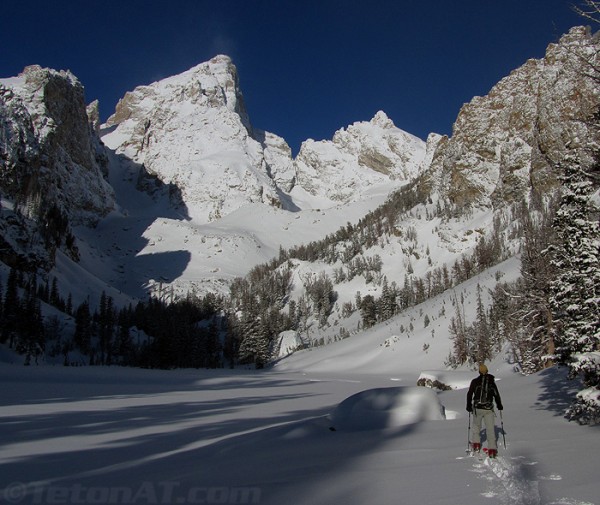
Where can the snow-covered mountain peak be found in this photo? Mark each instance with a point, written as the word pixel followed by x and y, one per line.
pixel 34 75
pixel 211 84
pixel 359 159
pixel 382 120
pixel 192 130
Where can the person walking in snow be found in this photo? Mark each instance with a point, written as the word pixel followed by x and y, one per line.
pixel 482 394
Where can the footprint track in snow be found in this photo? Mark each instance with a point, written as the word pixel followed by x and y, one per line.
pixel 514 482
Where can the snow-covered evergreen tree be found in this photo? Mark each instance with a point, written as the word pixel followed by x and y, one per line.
pixel 458 334
pixel 575 293
pixel 535 346
pixel 254 347
pixel 481 332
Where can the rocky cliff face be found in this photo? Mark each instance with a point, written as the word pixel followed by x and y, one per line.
pixel 504 145
pixel 50 154
pixel 52 167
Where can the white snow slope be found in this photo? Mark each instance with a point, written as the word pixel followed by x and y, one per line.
pixel 145 242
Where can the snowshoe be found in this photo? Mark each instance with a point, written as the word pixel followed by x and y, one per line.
pixel 491 453
pixel 475 450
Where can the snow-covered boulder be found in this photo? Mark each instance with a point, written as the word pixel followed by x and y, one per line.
pixel 445 380
pixel 387 408
pixel 289 341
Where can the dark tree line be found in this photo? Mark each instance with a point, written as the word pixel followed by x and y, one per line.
pixel 185 333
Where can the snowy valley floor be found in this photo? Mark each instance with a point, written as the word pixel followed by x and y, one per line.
pixel 114 435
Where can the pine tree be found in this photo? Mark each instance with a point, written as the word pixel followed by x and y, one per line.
pixel 212 347
pixel 536 343
pixel 1 305
pixel 11 309
pixel 458 335
pixel 254 346
pixel 31 330
pixel 387 301
pixel 322 295
pixel 482 334
pixel 83 328
pixel 232 339
pixel 55 296
pixel 368 311
pixel 575 293
pixel 125 346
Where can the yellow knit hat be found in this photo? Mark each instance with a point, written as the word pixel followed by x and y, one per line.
pixel 483 369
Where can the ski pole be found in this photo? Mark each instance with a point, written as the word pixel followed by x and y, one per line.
pixel 502 426
pixel 469 435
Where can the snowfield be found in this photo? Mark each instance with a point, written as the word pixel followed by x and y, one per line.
pixel 116 435
pixel 338 424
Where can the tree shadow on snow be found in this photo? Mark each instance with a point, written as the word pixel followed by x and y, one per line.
pixel 187 442
pixel 132 444
pixel 557 391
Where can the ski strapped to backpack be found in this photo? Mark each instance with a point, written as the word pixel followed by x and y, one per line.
pixel 483 397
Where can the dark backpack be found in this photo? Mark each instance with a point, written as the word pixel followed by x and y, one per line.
pixel 483 398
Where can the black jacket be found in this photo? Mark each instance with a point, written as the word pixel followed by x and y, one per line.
pixel 482 393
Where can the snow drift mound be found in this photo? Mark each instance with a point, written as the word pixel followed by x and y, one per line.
pixel 385 408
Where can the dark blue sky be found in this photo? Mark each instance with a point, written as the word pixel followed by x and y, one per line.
pixel 307 67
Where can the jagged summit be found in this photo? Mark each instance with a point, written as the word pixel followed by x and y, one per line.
pixel 193 130
pixel 382 120
pixel 359 159
pixel 213 83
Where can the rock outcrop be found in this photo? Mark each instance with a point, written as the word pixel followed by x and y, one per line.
pixel 504 145
pixel 49 153
pixel 52 167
